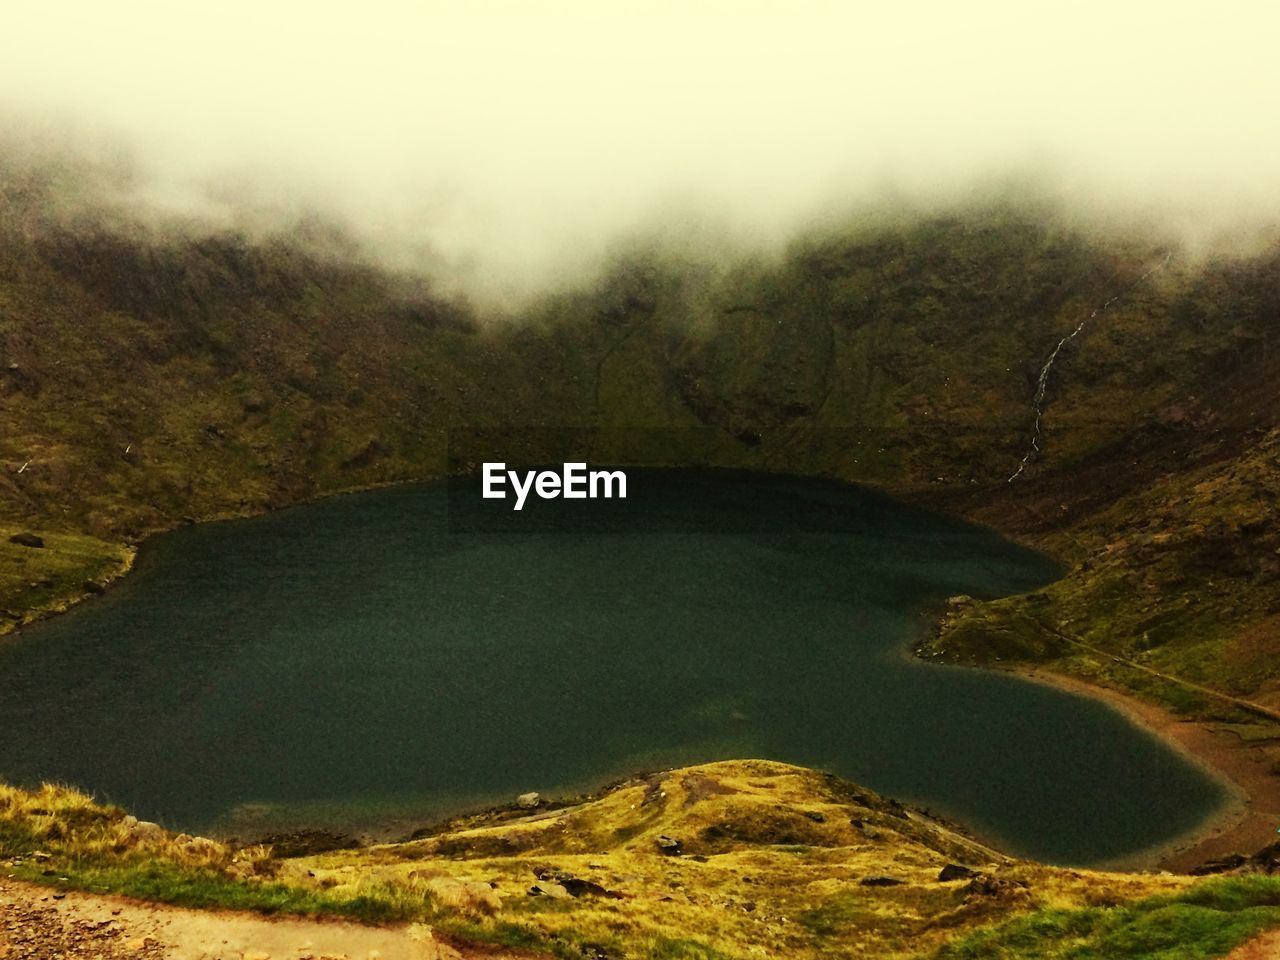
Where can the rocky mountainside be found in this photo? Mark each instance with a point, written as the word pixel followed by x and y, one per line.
pixel 153 373
pixel 158 373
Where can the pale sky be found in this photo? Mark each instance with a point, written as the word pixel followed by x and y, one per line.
pixel 508 133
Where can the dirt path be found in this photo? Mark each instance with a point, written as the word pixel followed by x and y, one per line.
pixel 1247 705
pixel 1265 947
pixel 38 923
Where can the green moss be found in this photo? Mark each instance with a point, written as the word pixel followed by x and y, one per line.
pixel 1207 921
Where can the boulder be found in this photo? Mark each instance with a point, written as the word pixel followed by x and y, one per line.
pixel 529 801
pixel 547 889
pixel 670 846
pixel 138 831
pixel 954 871
pixel 574 886
pixel 472 896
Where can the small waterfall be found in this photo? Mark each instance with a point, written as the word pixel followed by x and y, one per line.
pixel 1042 382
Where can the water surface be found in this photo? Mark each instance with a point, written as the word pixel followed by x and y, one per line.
pixel 409 651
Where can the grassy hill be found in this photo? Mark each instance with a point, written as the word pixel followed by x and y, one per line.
pixel 718 862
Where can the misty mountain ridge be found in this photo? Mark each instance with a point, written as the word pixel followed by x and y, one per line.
pixel 155 373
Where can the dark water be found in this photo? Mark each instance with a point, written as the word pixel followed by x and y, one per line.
pixel 372 657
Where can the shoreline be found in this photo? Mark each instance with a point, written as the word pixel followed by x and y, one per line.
pixel 12 630
pixel 1247 822
pixel 134 545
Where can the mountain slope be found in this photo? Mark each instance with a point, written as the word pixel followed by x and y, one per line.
pixel 726 860
pixel 151 374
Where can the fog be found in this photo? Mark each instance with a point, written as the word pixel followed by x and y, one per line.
pixel 509 142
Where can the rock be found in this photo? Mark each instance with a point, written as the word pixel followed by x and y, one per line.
pixel 861 825
pixel 815 816
pixel 574 886
pixel 466 895
pixel 1232 861
pixel 27 540
pixel 137 831
pixel 529 801
pixel 546 889
pixel 554 874
pixel 881 881
pixel 1266 860
pixel 670 846
pixel 954 871
pixel 578 887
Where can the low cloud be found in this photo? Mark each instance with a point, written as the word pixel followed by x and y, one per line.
pixel 504 144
